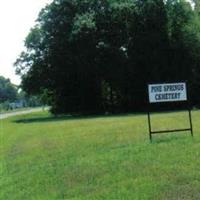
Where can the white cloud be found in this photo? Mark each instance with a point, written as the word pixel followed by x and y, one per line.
pixel 16 19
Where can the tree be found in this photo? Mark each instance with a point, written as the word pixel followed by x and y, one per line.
pixel 96 56
pixel 8 91
pixel 184 31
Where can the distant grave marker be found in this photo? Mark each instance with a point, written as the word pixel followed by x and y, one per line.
pixel 168 93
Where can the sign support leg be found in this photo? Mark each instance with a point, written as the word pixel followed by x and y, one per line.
pixel 149 122
pixel 191 126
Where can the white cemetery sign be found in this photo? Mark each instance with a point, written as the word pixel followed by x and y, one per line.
pixel 167 92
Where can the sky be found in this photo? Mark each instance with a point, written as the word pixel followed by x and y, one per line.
pixel 17 17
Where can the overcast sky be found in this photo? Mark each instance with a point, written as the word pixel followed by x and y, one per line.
pixel 16 19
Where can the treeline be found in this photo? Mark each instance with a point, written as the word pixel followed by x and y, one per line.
pixel 8 91
pixel 12 97
pixel 98 56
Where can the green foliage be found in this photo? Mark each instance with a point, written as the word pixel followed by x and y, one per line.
pixel 79 47
pixel 82 23
pixel 8 91
pixel 48 158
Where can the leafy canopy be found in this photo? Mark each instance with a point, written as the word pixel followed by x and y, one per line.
pixel 97 56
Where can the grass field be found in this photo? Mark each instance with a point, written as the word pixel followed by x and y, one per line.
pixel 47 158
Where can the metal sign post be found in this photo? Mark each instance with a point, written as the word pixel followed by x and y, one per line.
pixel 169 92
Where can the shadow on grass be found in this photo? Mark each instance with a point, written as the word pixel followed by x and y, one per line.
pixel 53 118
pixel 171 137
pixel 72 117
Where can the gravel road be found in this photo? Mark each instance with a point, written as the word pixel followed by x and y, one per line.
pixel 6 115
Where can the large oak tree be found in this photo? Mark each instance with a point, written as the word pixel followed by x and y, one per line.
pixel 96 56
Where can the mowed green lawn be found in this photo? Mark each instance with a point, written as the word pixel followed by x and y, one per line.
pixel 46 158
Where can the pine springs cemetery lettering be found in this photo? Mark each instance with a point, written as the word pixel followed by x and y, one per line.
pixel 168 92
